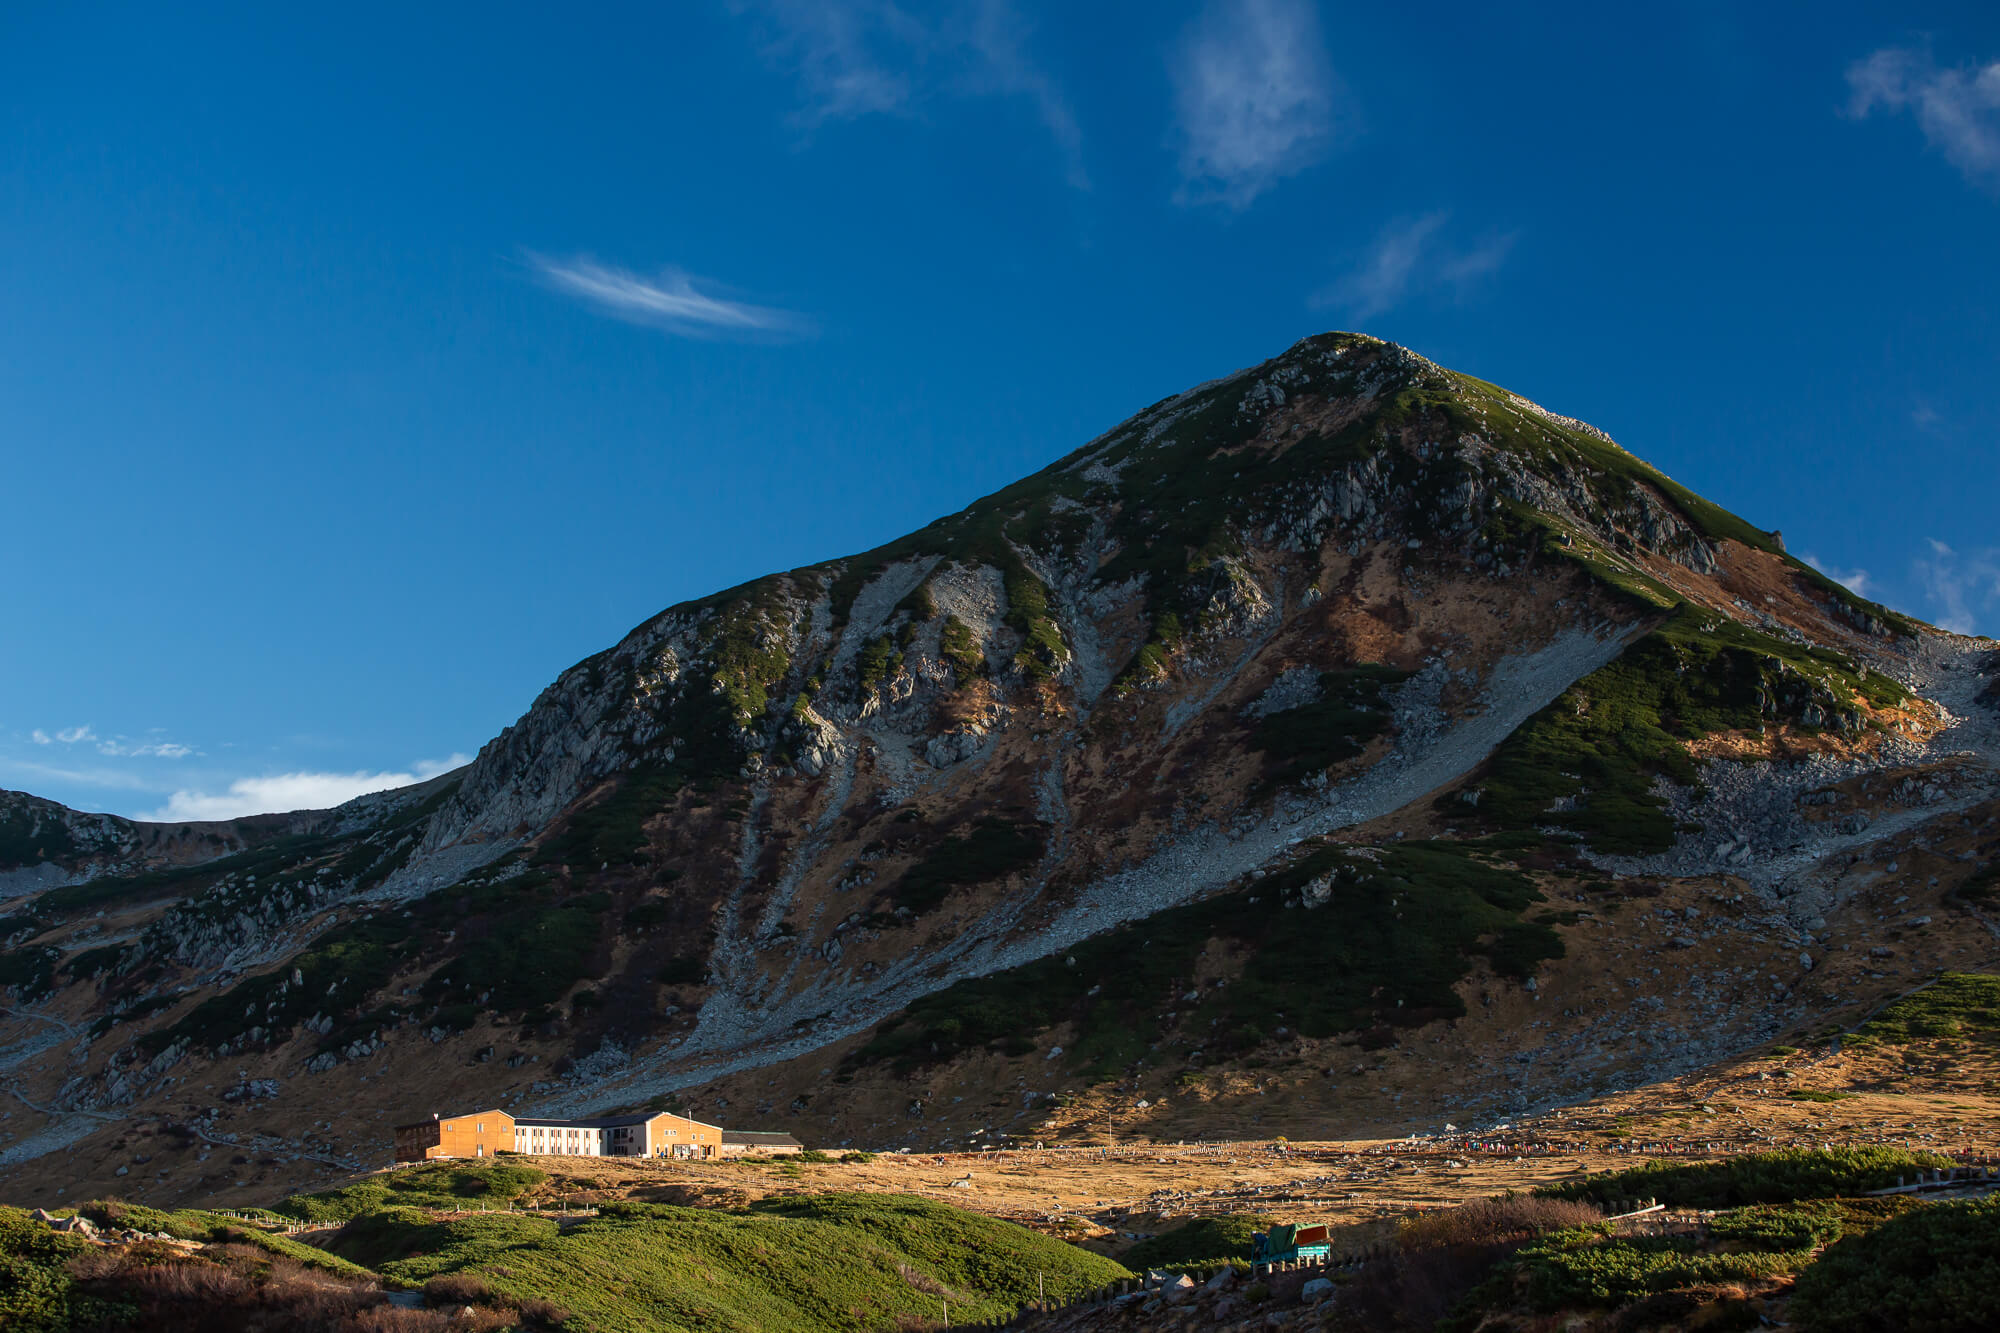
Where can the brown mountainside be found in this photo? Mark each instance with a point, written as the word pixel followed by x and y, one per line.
pixel 1345 743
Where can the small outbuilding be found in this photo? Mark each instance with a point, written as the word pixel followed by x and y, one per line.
pixel 758 1143
pixel 1289 1244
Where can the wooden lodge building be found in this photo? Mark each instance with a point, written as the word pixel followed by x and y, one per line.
pixel 660 1134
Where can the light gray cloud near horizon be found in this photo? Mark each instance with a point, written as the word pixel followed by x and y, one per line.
pixel 856 58
pixel 278 793
pixel 673 301
pixel 1256 99
pixel 1411 256
pixel 119 747
pixel 1958 108
pixel 1856 581
pixel 1962 587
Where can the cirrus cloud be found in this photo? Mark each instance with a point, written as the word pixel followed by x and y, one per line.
pixel 1958 109
pixel 1409 257
pixel 673 301
pixel 1963 586
pixel 856 58
pixel 1255 99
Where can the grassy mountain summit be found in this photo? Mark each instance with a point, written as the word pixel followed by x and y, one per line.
pixel 1342 703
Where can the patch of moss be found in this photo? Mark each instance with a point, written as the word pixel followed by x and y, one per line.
pixel 959 647
pixel 1351 711
pixel 991 850
pixel 750 653
pixel 1956 1005
pixel 612 830
pixel 1043 651
pixel 877 661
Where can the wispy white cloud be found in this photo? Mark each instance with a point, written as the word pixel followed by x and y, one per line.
pixel 672 301
pixel 282 792
pixel 1958 108
pixel 122 748
pixel 1255 99
pixel 116 746
pixel 855 58
pixel 1856 581
pixel 1410 256
pixel 850 58
pixel 1963 587
pixel 999 37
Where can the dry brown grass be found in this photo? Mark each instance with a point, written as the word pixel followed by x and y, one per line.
pixel 457 1289
pixel 1492 1221
pixel 1441 1256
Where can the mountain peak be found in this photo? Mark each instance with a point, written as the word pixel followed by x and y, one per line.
pixel 1344 628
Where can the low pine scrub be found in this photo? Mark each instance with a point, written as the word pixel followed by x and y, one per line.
pixel 1385 947
pixel 220 1228
pixel 445 1186
pixel 37 1293
pixel 1773 1177
pixel 818 1263
pixel 1932 1270
pixel 1592 1267
pixel 1199 1241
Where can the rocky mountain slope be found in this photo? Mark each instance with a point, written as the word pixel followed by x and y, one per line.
pixel 1334 713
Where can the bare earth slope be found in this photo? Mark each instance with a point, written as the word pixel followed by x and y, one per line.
pixel 1340 746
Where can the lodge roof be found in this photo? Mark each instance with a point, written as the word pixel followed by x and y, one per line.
pixel 543 1122
pixel 759 1137
pixel 603 1121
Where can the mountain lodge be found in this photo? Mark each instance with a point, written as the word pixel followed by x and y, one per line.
pixel 659 1134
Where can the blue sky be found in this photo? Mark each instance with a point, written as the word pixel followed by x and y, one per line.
pixel 363 367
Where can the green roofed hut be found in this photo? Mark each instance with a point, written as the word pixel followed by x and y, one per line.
pixel 1287 1244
